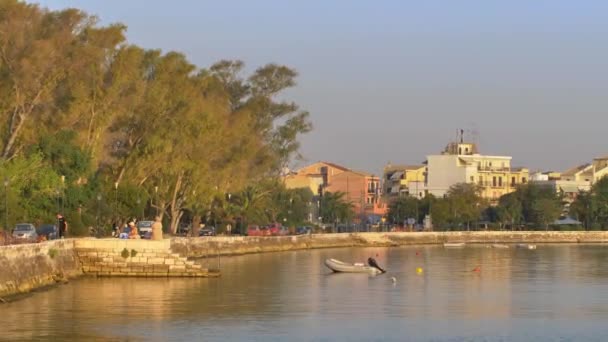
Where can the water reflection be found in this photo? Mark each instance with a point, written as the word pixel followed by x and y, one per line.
pixel 554 292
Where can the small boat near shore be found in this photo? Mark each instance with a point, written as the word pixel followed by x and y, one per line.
pixel 526 246
pixel 454 244
pixel 500 245
pixel 344 267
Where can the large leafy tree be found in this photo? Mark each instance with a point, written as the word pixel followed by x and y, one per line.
pixel 335 209
pixel 147 127
pixel 466 203
pixel 403 208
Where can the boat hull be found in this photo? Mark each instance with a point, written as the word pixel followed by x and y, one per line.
pixel 454 244
pixel 343 267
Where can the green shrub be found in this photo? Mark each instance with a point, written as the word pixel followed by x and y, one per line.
pixel 53 253
pixel 125 253
pixel 133 253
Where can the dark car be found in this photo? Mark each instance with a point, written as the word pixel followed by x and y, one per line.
pixel 49 231
pixel 207 231
pixel 304 230
pixel 144 228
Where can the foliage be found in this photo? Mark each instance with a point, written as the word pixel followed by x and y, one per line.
pixel 53 252
pixel 403 208
pixel 465 203
pixel 146 132
pixel 125 253
pixel 335 209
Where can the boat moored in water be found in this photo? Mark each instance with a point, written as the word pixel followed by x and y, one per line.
pixel 454 244
pixel 526 246
pixel 344 267
pixel 500 245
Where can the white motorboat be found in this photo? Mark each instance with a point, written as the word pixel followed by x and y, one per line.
pixel 454 244
pixel 340 266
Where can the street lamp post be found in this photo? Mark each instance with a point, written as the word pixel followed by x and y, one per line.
pixel 142 209
pixel 98 211
pixel 156 198
pixel 116 199
pixel 62 194
pixel 6 203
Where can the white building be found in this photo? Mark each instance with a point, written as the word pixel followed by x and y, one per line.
pixel 460 163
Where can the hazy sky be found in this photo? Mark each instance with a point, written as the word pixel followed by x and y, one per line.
pixel 394 80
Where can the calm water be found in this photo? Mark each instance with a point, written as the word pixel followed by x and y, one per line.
pixel 558 292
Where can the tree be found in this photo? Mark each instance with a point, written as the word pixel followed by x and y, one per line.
pixel 465 202
pixel 335 209
pixel 403 208
pixel 36 51
pixel 545 210
pixel 509 209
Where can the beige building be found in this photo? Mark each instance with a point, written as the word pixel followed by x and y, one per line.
pixel 461 163
pixel 397 178
pixel 314 176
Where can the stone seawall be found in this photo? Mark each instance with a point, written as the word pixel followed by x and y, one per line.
pixel 30 266
pixel 213 246
pixel 135 258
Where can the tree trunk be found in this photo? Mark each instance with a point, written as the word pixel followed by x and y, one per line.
pixel 196 220
pixel 13 134
pixel 176 213
pixel 176 216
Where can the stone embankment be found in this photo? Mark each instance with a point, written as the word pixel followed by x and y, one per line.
pixel 135 258
pixel 27 267
pixel 30 266
pixel 237 245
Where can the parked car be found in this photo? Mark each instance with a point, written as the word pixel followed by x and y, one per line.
pixel 144 228
pixel 207 231
pixel 304 230
pixel 183 229
pixel 48 230
pixel 277 229
pixel 25 231
pixel 254 230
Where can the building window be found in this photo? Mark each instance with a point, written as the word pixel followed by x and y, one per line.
pixel 499 181
pixel 513 181
pixel 466 150
pixel 460 150
pixel 480 180
pixel 472 179
pixel 523 180
pixel 494 181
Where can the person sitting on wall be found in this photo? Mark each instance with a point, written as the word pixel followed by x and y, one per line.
pixel 133 233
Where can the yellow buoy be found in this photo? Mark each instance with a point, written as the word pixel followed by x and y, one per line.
pixel 419 270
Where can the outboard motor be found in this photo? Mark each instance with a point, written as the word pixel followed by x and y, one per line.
pixel 372 262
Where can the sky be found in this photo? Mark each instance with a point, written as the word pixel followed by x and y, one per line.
pixel 393 81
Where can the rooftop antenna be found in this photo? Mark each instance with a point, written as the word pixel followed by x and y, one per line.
pixel 461 136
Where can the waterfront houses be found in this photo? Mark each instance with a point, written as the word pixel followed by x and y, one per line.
pixel 397 179
pixel 460 162
pixel 361 189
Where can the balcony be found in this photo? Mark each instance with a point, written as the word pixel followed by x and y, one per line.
pixel 493 169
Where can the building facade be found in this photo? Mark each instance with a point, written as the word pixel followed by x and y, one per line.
pixel 461 163
pixel 362 190
pixel 397 178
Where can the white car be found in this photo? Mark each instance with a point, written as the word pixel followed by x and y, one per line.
pixel 25 231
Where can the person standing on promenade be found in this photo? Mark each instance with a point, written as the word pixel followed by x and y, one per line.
pixel 157 229
pixel 62 226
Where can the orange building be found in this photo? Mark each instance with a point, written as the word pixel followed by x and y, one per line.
pixel 362 190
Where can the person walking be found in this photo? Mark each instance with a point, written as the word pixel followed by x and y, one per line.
pixel 62 225
pixel 157 229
